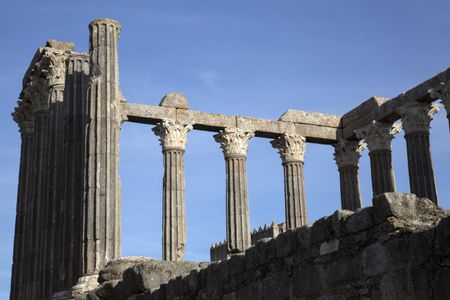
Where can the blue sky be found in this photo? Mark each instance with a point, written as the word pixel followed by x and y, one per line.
pixel 251 58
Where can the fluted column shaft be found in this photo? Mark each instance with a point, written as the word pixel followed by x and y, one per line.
pixel 70 240
pixel 347 154
pixel 378 137
pixel 233 142
pixel 52 172
pixel 19 268
pixel 173 138
pixel 383 178
pixel 292 151
pixel 103 204
pixel 416 119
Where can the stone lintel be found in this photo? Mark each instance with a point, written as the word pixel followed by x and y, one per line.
pixel 151 114
pixel 314 118
pixel 363 109
pixel 388 111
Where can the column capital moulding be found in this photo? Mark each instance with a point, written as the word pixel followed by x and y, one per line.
pixel 442 93
pixel 378 135
pixel 417 116
pixel 347 153
pixel 234 141
pixel 172 134
pixel 290 147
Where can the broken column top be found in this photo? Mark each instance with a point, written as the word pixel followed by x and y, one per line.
pixel 106 21
pixel 174 100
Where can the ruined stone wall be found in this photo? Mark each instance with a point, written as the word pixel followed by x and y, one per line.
pixel 397 249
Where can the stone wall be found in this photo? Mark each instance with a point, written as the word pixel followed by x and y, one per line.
pixel 397 249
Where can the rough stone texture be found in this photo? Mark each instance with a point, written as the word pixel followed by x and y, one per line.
pixel 397 249
pixel 300 116
pixel 174 100
pixel 127 276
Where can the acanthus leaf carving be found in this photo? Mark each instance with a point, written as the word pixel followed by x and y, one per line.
pixel 234 141
pixel 417 116
pixel 172 134
pixel 378 135
pixel 290 147
pixel 348 153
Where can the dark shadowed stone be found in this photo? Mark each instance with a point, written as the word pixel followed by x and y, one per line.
pixel 338 219
pixel 442 240
pixel 286 243
pixel 441 288
pixel 304 237
pixel 374 260
pixel 344 270
pixel 237 264
pixel 360 220
pixel 174 100
pixel 276 286
pixel 307 281
pixel 397 285
pixel 322 230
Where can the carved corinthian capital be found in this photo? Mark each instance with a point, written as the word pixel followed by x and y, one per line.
pixel 234 141
pixel 378 135
pixel 417 116
pixel 347 153
pixel 290 147
pixel 172 135
pixel 442 93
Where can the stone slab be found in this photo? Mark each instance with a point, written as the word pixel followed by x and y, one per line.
pixel 151 114
pixel 314 118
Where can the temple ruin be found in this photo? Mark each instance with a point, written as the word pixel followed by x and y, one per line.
pixel 68 223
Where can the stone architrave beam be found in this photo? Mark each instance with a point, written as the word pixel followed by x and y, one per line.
pixel 388 110
pixel 315 127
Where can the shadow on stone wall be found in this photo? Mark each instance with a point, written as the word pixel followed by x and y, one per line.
pixel 397 249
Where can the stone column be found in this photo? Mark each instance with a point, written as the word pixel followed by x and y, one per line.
pixel 39 200
pixel 234 142
pixel 416 119
pixel 102 203
pixel 71 183
pixel 173 138
pixel 22 115
pixel 347 154
pixel 292 152
pixel 378 137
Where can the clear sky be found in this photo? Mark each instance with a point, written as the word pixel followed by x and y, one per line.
pixel 251 58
